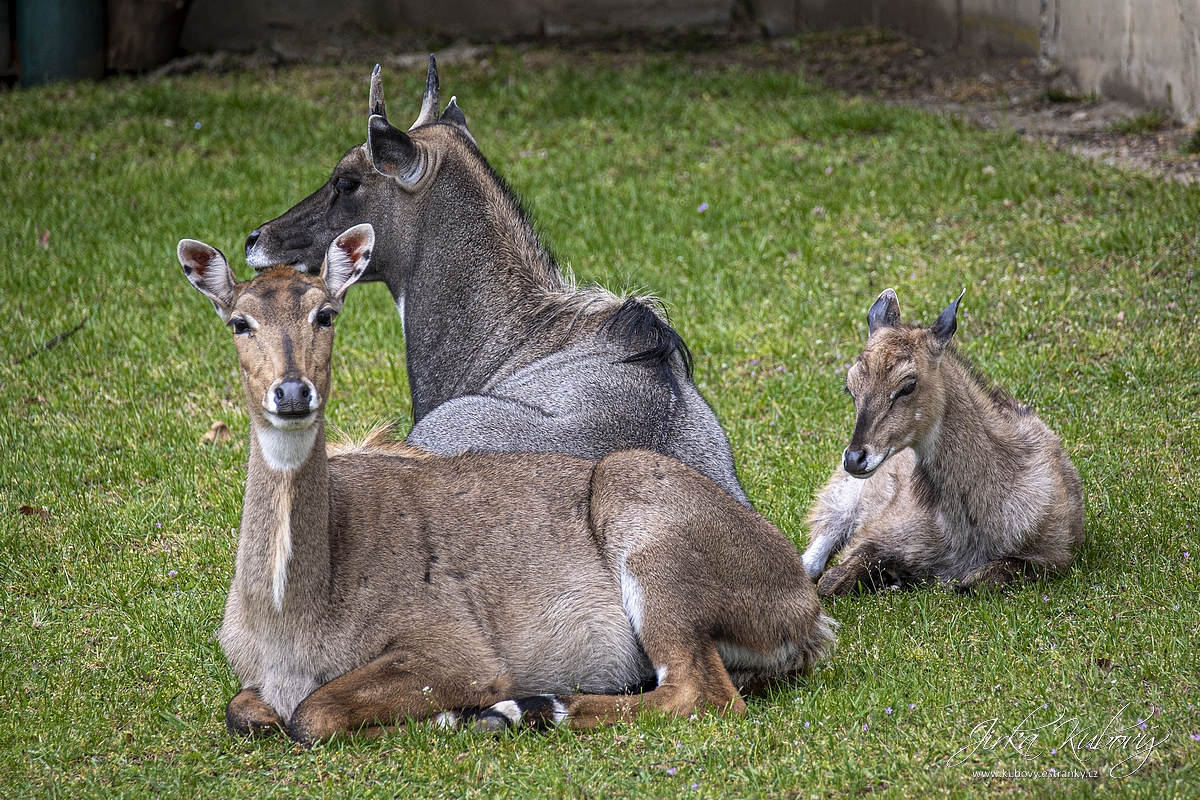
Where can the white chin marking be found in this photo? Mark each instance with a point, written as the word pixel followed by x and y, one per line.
pixel 286 450
pixel 257 258
pixel 873 461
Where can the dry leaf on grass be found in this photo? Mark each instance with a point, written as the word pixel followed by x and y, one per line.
pixel 41 512
pixel 219 432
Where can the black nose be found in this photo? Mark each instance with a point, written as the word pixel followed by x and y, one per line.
pixel 293 398
pixel 855 461
pixel 252 238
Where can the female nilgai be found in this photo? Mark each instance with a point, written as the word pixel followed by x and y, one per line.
pixel 944 478
pixel 382 583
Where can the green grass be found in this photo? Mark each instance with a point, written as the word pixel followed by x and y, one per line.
pixel 1081 300
pixel 1147 122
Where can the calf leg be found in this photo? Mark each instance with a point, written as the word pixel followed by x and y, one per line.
pixel 248 715
pixel 868 565
pixel 832 519
pixel 1000 573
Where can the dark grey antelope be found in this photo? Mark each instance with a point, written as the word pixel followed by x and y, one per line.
pixel 380 583
pixel 944 478
pixel 504 354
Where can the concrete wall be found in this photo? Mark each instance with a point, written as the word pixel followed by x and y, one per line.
pixel 1140 51
pixel 1144 51
pixel 239 25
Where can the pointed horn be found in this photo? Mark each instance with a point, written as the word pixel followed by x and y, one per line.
pixel 429 103
pixel 375 104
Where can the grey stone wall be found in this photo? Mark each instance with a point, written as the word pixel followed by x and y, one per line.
pixel 1143 51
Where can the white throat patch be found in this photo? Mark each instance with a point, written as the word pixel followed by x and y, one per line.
pixel 285 451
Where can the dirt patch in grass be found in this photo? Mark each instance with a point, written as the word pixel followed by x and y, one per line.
pixel 996 93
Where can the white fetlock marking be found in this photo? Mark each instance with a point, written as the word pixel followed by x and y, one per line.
pixel 509 710
pixel 446 719
pixel 561 714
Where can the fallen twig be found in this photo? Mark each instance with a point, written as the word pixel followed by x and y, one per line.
pixel 52 342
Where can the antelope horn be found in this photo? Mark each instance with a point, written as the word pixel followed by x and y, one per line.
pixel 375 104
pixel 429 103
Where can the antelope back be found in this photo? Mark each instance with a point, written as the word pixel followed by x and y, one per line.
pixel 282 323
pixel 897 384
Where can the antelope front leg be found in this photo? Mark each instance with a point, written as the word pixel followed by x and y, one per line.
pixel 869 565
pixel 393 687
pixel 1000 573
pixel 248 715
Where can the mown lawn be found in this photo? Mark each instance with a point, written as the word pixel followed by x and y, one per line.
pixel 1081 300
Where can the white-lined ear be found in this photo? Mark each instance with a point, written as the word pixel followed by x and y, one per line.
pixel 209 272
pixel 946 324
pixel 347 259
pixel 884 312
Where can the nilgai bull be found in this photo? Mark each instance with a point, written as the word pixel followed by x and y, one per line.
pixel 504 354
pixel 944 478
pixel 380 583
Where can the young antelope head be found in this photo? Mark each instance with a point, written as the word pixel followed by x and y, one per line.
pixel 896 384
pixel 282 324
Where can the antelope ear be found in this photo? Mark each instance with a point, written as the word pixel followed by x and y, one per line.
pixel 947 322
pixel 209 272
pixel 347 259
pixel 393 152
pixel 884 312
pixel 453 115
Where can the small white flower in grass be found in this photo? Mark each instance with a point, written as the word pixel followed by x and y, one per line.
pixel 172 573
pixel 888 710
pixel 702 207
pixel 671 770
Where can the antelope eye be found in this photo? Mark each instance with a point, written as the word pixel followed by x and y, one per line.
pixel 325 317
pixel 343 183
pixel 908 389
pixel 239 326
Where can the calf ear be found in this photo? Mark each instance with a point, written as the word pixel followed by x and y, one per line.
pixel 393 152
pixel 209 272
pixel 347 259
pixel 947 322
pixel 884 312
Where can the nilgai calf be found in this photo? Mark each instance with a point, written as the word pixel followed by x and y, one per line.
pixel 382 583
pixel 944 478
pixel 504 353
